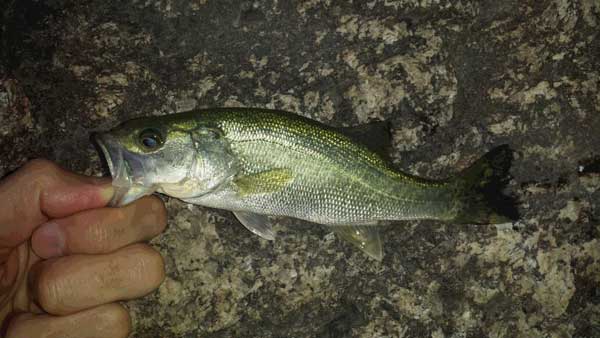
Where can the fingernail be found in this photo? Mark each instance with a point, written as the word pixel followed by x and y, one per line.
pixel 48 241
pixel 107 193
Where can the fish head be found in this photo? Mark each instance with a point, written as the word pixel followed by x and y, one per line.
pixel 148 155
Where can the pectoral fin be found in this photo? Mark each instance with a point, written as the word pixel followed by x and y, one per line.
pixel 258 224
pixel 365 237
pixel 263 182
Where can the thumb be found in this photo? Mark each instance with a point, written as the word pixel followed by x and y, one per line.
pixel 41 190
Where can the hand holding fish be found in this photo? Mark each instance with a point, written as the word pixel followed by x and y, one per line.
pixel 66 259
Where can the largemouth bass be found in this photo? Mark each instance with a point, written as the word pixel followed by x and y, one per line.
pixel 259 163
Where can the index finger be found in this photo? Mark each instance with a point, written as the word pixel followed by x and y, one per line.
pixel 42 190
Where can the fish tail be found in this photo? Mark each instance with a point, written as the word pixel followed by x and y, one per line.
pixel 479 188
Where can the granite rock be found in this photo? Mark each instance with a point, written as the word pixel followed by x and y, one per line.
pixel 454 78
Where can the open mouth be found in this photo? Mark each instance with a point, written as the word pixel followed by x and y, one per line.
pixel 126 190
pixel 114 159
pixel 99 141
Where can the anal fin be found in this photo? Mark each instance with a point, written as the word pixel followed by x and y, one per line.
pixel 256 223
pixel 365 237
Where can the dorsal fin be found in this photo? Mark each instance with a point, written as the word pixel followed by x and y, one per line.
pixel 375 135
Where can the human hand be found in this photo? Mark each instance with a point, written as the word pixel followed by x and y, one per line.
pixel 66 258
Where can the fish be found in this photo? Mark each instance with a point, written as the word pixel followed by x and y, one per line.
pixel 261 163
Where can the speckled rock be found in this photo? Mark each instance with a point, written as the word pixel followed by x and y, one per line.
pixel 454 78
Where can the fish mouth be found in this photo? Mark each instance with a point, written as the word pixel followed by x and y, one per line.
pixel 126 189
pixel 106 155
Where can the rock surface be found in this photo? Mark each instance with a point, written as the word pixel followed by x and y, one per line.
pixel 454 78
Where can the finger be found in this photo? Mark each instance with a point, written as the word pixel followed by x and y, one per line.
pixel 73 283
pixel 110 320
pixel 101 230
pixel 42 190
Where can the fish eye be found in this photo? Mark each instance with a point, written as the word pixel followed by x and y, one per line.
pixel 150 139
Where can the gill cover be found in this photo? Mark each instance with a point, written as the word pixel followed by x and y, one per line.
pixel 214 161
pixel 210 163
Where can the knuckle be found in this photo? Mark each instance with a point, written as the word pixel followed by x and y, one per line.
pixel 39 174
pixel 98 238
pixel 106 232
pixel 41 167
pixel 40 164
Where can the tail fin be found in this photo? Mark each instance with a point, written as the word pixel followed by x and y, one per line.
pixel 479 190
